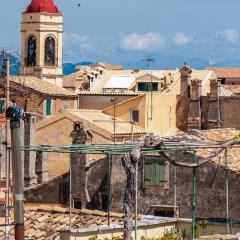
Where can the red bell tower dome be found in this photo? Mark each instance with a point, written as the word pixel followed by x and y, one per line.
pixel 42 6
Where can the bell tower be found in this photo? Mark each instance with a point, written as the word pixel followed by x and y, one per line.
pixel 42 29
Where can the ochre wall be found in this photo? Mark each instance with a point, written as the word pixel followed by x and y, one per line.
pixel 163 120
pixel 123 110
pixel 58 133
pixel 99 102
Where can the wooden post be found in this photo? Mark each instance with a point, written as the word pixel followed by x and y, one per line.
pixel 129 162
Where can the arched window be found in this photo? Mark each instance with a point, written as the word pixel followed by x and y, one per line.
pixel 50 51
pixel 31 51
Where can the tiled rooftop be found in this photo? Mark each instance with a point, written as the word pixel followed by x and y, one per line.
pixel 44 222
pixel 210 136
pixel 202 75
pixel 69 80
pixel 225 72
pixel 41 86
pixel 105 122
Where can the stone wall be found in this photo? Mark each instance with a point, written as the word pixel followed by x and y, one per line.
pixel 55 191
pixel 211 117
pixel 230 112
pixel 210 201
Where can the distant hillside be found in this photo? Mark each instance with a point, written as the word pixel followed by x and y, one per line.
pixel 160 62
pixel 69 68
pixel 15 63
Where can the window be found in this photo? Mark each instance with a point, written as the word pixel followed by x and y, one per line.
pixel 189 91
pixel 103 202
pixel 223 80
pixel 134 116
pixel 31 52
pixel 164 213
pixel 50 51
pixel 154 172
pixel 2 102
pixel 77 204
pixel 146 86
pixel 48 107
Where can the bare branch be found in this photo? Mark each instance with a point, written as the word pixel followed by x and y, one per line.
pixel 202 161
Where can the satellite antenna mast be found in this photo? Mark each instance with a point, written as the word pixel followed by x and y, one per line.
pixel 149 61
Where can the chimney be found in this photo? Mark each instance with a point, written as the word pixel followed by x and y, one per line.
pixel 42 167
pixel 183 101
pixel 78 163
pixel 194 117
pixel 185 72
pixel 214 87
pixel 196 89
pixel 30 176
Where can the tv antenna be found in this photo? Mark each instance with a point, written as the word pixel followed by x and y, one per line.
pixel 149 61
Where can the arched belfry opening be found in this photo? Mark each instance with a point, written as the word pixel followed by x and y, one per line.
pixel 50 51
pixel 31 51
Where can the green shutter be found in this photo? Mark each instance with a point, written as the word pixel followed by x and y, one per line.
pixel 2 102
pixel 148 173
pixel 160 173
pixel 49 107
pixel 154 172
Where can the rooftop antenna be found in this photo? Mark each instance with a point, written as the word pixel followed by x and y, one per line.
pixel 149 61
pixel 211 62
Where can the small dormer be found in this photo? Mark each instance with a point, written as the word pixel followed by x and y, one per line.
pixel 148 82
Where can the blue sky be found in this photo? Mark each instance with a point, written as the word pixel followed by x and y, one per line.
pixel 125 31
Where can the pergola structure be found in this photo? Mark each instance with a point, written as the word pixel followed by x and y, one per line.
pixel 147 149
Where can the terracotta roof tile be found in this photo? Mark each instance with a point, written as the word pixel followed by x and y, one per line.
pixel 41 86
pixel 225 72
pixel 104 121
pixel 209 136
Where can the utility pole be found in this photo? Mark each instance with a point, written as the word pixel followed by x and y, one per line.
pixel 226 191
pixel 109 192
pixel 7 152
pixel 194 178
pixel 15 114
pixel 136 201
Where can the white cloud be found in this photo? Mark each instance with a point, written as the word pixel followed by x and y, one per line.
pixel 229 35
pixel 80 42
pixel 148 41
pixel 182 39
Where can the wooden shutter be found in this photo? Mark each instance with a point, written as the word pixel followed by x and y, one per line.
pixel 2 102
pixel 154 172
pixel 160 172
pixel 148 174
pixel 49 107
